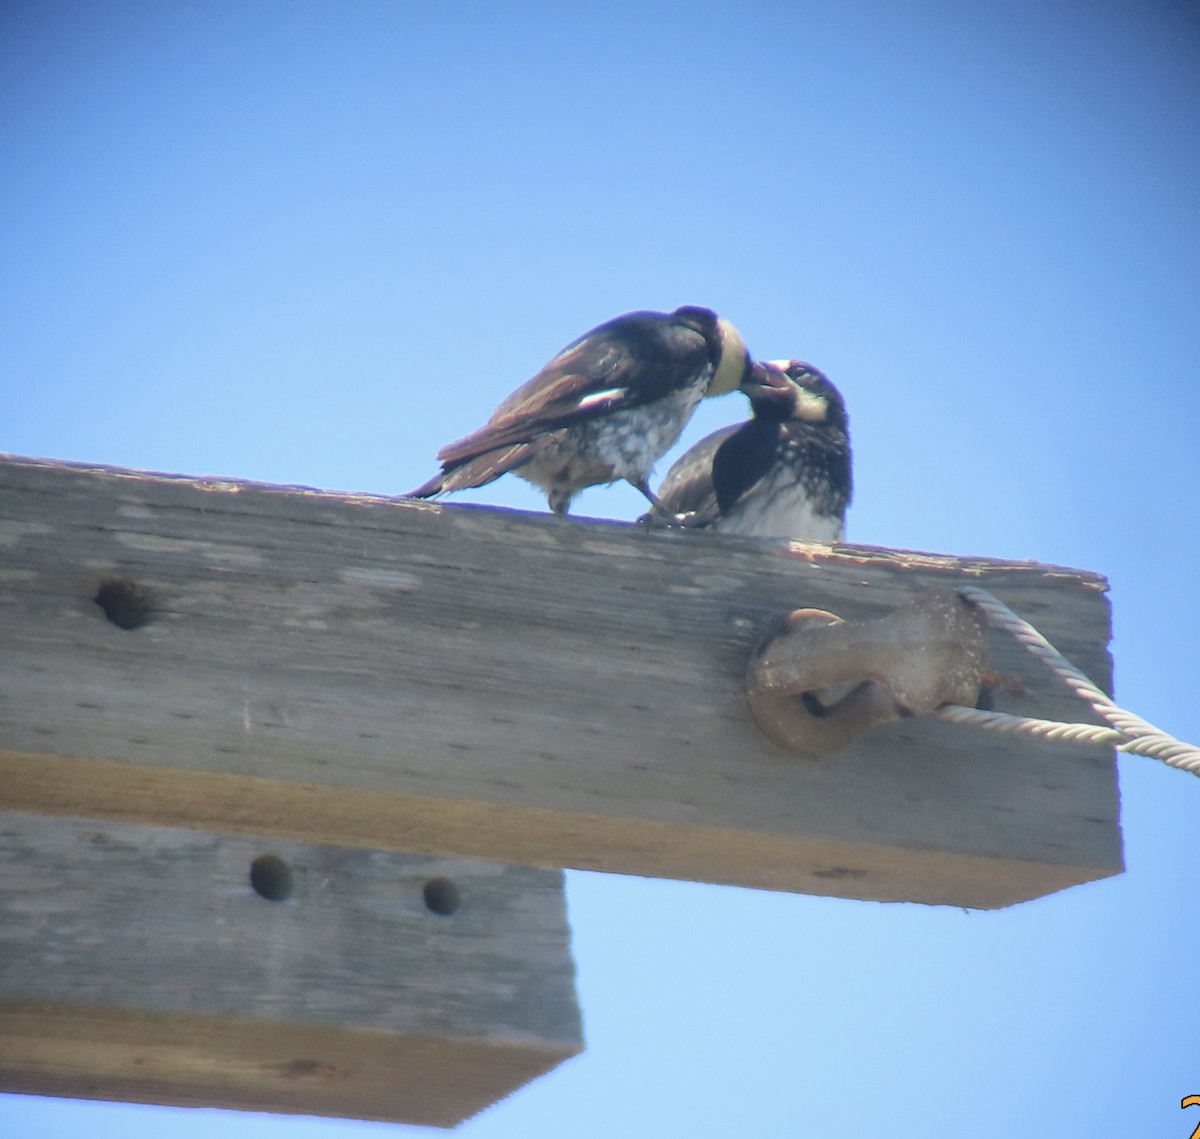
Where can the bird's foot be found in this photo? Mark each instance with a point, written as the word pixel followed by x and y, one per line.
pixel 660 515
pixel 665 520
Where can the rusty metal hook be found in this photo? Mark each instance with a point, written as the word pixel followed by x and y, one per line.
pixel 822 681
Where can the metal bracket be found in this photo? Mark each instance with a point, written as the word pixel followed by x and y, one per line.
pixel 822 682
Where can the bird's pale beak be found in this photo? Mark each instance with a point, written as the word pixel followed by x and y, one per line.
pixel 762 378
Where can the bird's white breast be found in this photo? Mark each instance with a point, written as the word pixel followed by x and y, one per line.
pixel 783 512
pixel 635 438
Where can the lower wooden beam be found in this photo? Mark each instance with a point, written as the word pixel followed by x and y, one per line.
pixel 141 963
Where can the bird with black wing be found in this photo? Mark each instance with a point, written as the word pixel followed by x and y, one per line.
pixel 606 408
pixel 785 473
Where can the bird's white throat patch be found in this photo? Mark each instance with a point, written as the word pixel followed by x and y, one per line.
pixel 810 407
pixel 732 364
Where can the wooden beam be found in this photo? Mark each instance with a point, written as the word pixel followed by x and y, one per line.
pixel 509 686
pixel 139 963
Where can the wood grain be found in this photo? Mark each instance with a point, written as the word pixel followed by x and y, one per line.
pixel 138 963
pixel 514 687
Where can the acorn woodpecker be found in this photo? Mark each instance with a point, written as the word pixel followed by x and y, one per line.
pixel 605 408
pixel 786 473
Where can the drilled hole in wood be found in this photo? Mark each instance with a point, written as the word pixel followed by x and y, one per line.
pixel 271 878
pixel 441 896
pixel 125 603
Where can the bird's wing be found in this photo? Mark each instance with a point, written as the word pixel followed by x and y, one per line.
pixel 688 485
pixel 742 461
pixel 627 362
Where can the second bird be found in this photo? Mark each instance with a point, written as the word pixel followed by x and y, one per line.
pixel 605 408
pixel 786 473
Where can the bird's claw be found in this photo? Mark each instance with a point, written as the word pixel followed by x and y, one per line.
pixel 665 520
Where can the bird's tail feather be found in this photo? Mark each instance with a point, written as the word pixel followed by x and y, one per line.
pixel 479 471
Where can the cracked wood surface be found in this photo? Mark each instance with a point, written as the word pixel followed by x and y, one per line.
pixel 482 683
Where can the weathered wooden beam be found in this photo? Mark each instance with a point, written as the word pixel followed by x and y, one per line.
pixel 508 686
pixel 139 963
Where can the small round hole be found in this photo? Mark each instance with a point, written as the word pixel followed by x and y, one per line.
pixel 125 603
pixel 271 877
pixel 441 896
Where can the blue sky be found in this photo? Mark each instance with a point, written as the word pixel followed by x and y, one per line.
pixel 310 242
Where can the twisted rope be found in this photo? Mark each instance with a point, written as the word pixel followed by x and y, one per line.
pixel 1128 732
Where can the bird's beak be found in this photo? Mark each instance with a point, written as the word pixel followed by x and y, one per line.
pixel 761 379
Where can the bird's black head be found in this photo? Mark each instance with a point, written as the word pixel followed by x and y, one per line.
pixel 792 389
pixel 726 348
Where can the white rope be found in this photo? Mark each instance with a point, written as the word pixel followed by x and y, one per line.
pixel 1128 732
